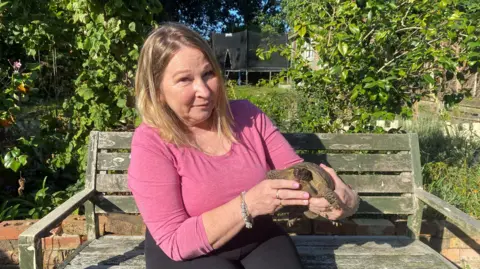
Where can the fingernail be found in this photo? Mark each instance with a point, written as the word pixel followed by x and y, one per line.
pixel 305 202
pixel 296 185
pixel 306 195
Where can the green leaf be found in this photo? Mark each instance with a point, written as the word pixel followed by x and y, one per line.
pixel 342 48
pixel 100 19
pixel 31 211
pixel 303 31
pixel 473 45
pixel 353 28
pixel 470 29
pixel 7 159
pixel 428 79
pixel 23 159
pixel 33 66
pixel 354 95
pixel 85 92
pixel 368 79
pixel 336 70
pixel 121 102
pixel 371 85
pixel 131 26
pixel 297 27
pixel 4 4
pixel 123 33
pixel 14 165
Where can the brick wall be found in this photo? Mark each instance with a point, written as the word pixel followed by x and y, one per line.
pixel 440 235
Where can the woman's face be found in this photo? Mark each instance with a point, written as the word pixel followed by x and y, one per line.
pixel 190 86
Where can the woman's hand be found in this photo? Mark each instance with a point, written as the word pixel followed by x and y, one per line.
pixel 270 195
pixel 348 200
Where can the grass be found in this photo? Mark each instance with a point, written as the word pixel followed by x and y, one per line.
pixel 242 92
pixel 450 163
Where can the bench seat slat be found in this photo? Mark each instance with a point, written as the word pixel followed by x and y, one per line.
pixel 340 162
pixel 361 183
pixel 369 204
pixel 340 252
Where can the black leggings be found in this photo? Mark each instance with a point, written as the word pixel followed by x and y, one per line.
pixel 264 246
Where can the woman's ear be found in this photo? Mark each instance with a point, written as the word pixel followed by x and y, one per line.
pixel 161 97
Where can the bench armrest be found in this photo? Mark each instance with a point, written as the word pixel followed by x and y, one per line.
pixel 466 223
pixel 30 254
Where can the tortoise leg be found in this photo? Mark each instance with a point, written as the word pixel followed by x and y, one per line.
pixel 309 214
pixel 330 196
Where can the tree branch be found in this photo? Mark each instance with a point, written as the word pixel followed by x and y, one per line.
pixel 408 28
pixel 391 61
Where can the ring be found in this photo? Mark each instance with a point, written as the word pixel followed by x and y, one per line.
pixel 278 197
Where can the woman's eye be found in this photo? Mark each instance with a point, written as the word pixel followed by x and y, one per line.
pixel 209 73
pixel 184 79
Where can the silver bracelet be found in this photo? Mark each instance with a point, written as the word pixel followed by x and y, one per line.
pixel 246 217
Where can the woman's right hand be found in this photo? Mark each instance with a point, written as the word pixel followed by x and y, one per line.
pixel 262 198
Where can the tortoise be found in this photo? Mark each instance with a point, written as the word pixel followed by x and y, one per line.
pixel 313 179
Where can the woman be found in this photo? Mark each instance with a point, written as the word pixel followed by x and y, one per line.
pixel 198 162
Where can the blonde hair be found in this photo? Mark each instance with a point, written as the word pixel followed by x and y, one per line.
pixel 158 49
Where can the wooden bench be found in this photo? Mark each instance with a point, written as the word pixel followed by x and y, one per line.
pixel 384 168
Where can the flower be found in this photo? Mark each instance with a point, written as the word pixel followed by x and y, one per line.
pixel 17 65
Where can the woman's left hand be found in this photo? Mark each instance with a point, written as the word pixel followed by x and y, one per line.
pixel 348 200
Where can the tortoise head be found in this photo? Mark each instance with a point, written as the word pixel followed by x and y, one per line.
pixel 302 174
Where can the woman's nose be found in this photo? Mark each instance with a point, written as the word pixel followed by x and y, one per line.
pixel 201 88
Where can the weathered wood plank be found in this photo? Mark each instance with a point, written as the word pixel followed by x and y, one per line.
pixel 329 261
pixel 361 183
pixel 115 140
pixel 414 221
pixel 474 112
pixel 107 267
pixel 113 161
pixel 346 252
pixel 122 140
pixel 340 162
pixel 385 205
pixel 112 183
pixel 28 241
pixel 91 219
pixel 466 223
pixel 133 259
pixel 381 251
pixel 348 141
pixel 475 103
pixel 335 241
pixel 380 183
pixel 368 204
pixel 363 162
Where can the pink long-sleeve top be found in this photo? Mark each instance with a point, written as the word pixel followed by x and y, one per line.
pixel 172 186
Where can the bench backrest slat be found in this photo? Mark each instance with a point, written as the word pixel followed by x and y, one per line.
pixel 362 183
pixel 369 205
pixel 122 140
pixel 341 162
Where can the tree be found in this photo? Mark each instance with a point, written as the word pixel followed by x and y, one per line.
pixel 375 59
pixel 218 15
